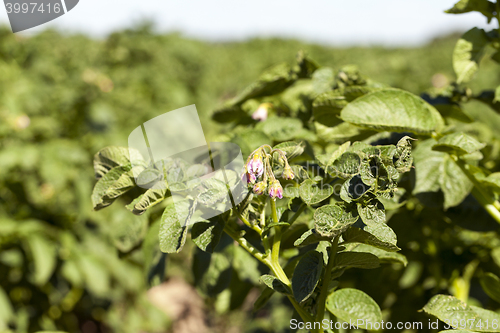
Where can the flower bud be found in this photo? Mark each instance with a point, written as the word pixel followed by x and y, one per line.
pixel 288 173
pixel 256 164
pixel 261 113
pixel 275 190
pixel 249 178
pixel 260 188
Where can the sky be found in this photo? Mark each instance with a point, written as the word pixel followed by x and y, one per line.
pixel 332 22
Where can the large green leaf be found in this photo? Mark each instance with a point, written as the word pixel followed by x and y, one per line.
pixel 352 305
pixel 437 171
pixel 172 233
pixel 383 256
pixel 327 107
pixel 306 275
pixel 384 239
pixel 356 260
pixel 310 237
pixel 452 310
pixel 312 193
pixel 458 143
pixel 468 52
pixel 332 220
pixel 393 110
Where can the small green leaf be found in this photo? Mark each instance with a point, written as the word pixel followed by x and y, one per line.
pixel 306 275
pixel 345 166
pixel 291 148
pixel 312 193
pixel 351 304
pixel 111 185
pixel 493 180
pixel 356 260
pixel 491 285
pixel 452 310
pixel 275 284
pixel 393 110
pixel 332 220
pixel 372 212
pixel 147 200
pixel 458 143
pixel 206 235
pixel 468 52
pixel 172 233
pixel 111 157
pixel 357 235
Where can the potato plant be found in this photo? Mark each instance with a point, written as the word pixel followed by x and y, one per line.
pixel 326 151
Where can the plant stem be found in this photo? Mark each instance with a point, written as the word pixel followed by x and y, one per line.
pixel 320 313
pixel 247 246
pixel 276 267
pixel 248 224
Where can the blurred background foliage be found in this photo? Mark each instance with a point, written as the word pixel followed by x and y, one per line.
pixel 64 97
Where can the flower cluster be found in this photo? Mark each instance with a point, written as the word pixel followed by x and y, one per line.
pixel 259 166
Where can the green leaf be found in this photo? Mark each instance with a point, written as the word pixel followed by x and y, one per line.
pixel 43 253
pixel 383 256
pixel 327 107
pixel 271 82
pixel 147 200
pixel 96 274
pixel 372 212
pixel 111 157
pixel 353 189
pixel 113 184
pixel 280 128
pixel 437 171
pixel 485 7
pixel 451 310
pixel 306 275
pixel 206 235
pixel 310 237
pixel 345 166
pixel 352 304
pixel 275 284
pixel 332 220
pixel 468 52
pixel 386 241
pixel 402 157
pixel 172 233
pixel 393 110
pixel 312 193
pixel 458 143
pixel 356 260
pixel 291 148
pixel 491 285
